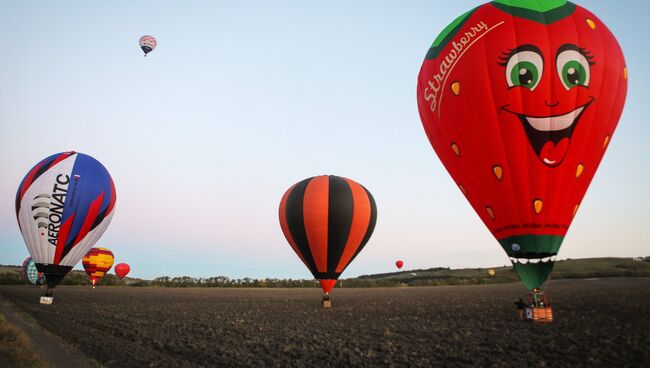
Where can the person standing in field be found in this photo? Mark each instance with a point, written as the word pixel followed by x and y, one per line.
pixel 521 306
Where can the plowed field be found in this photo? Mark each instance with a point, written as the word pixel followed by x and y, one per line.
pixel 598 323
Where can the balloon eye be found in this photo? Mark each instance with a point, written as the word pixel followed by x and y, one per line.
pixel 573 68
pixel 524 69
pixel 525 74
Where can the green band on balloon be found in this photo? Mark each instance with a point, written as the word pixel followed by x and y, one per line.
pixel 533 275
pixel 531 245
pixel 446 35
pixel 535 5
pixel 532 254
pixel 524 9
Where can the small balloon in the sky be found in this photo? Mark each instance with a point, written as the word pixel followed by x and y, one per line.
pixel 148 44
pixel 491 272
pixel 399 263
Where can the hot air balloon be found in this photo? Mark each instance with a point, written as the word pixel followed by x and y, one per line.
pixel 63 206
pixel 147 44
pixel 399 264
pixel 520 100
pixel 327 220
pixel 97 262
pixel 31 273
pixel 491 272
pixel 122 269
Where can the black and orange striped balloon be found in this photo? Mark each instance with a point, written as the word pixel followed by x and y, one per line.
pixel 327 220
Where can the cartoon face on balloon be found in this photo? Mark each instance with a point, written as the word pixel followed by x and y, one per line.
pixel 549 132
pixel 519 99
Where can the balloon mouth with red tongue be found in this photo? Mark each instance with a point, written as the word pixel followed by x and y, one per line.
pixel 549 136
pixel 327 285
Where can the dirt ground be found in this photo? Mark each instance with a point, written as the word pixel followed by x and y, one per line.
pixel 602 322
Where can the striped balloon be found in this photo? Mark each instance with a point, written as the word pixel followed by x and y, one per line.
pixel 147 44
pixel 327 220
pixel 97 262
pixel 31 273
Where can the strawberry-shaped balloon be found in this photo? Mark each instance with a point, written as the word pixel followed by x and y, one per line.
pixel 519 99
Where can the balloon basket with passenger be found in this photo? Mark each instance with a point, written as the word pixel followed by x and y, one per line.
pixel 327 286
pixel 538 309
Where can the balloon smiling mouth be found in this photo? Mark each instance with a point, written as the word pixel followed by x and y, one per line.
pixel 549 136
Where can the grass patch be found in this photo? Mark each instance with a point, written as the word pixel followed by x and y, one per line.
pixel 16 347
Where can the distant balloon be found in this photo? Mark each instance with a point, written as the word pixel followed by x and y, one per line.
pixel 97 262
pixel 31 273
pixel 399 264
pixel 327 220
pixel 63 206
pixel 491 272
pixel 122 269
pixel 147 44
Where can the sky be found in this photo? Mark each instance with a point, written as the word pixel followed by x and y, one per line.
pixel 242 99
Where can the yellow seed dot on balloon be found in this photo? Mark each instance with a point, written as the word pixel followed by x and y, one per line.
pixel 606 142
pixel 498 171
pixel 456 149
pixel 591 23
pixel 579 170
pixel 455 88
pixel 490 212
pixel 575 210
pixel 537 205
pixel 625 73
pixel 462 189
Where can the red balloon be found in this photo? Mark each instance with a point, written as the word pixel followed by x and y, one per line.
pixel 122 269
pixel 520 99
pixel 399 264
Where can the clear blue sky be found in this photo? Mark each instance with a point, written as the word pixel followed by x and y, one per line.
pixel 242 99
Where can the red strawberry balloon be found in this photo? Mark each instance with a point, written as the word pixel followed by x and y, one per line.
pixel 519 99
pixel 399 264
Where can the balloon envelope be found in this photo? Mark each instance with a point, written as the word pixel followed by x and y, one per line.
pixel 519 100
pixel 148 44
pixel 399 264
pixel 122 269
pixel 63 206
pixel 327 220
pixel 97 262
pixel 31 273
